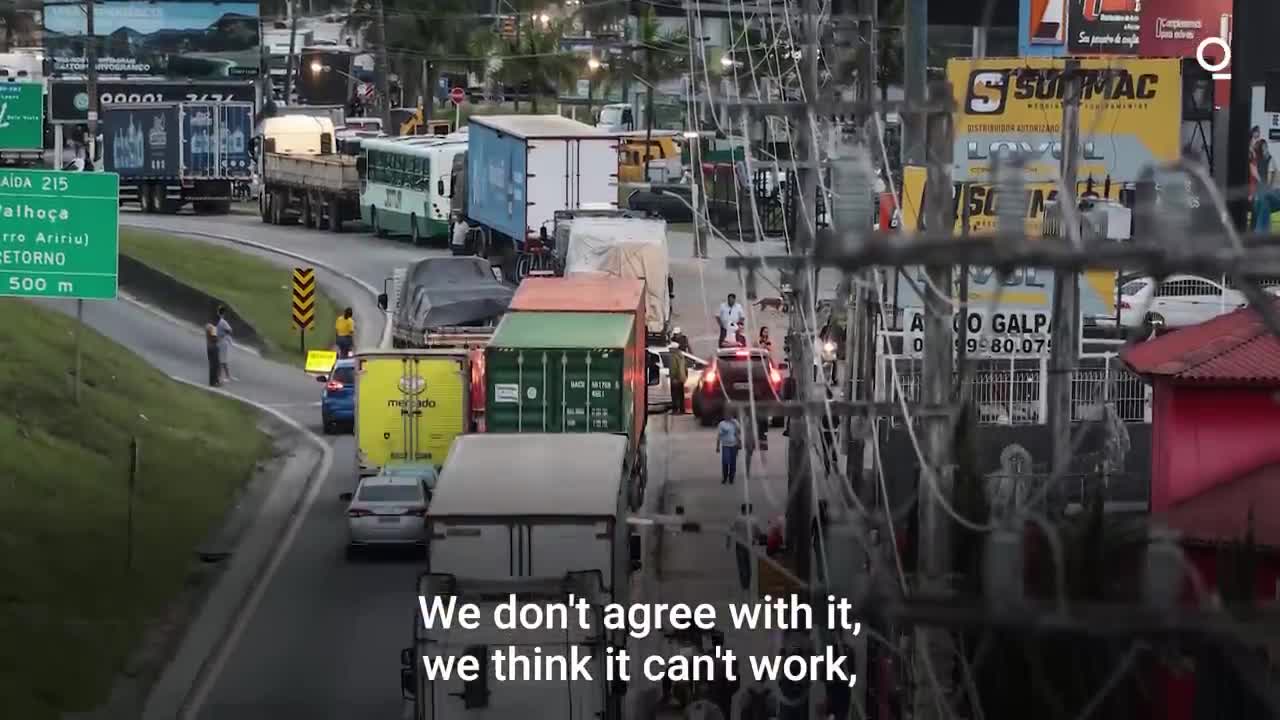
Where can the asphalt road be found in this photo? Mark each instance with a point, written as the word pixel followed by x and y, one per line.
pixel 325 640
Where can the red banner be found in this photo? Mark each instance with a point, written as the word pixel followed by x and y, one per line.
pixel 1176 28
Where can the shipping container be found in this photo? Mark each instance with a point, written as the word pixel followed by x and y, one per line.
pixel 595 294
pixel 563 372
pixel 410 405
pixel 171 154
pixel 521 169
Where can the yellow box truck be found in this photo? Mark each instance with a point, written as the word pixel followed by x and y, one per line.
pixel 410 405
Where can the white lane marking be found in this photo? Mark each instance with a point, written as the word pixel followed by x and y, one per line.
pixel 208 677
pixel 212 667
pixel 386 326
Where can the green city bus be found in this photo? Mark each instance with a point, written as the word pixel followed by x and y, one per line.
pixel 406 185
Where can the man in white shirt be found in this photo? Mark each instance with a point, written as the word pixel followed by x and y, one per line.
pixel 730 317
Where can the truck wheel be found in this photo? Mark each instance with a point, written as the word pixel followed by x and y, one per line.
pixel 277 208
pixel 414 236
pixel 146 199
pixel 221 207
pixel 335 217
pixel 264 206
pixel 373 220
pixel 308 211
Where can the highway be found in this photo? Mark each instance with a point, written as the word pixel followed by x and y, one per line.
pixel 324 641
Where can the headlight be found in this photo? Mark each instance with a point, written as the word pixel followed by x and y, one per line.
pixel 829 347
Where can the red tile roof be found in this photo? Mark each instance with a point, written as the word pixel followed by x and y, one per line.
pixel 1221 514
pixel 1231 349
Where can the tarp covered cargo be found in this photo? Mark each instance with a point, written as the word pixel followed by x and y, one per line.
pixel 448 291
pixel 628 248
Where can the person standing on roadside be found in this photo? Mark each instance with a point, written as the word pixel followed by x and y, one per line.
pixel 211 351
pixel 344 329
pixel 224 344
pixel 728 442
pixel 730 318
pixel 678 373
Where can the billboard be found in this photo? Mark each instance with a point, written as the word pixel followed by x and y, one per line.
pixel 1027 289
pixel 1130 115
pixel 69 99
pixel 1046 22
pixel 1103 27
pixel 203 40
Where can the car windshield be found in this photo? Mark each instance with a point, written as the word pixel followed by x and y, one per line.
pixel 344 375
pixel 1133 287
pixel 424 475
pixel 389 493
pixel 611 116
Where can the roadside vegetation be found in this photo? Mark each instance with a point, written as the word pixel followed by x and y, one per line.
pixel 259 290
pixel 71 611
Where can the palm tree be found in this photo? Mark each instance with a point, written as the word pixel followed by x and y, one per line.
pixel 537 61
pixel 18 20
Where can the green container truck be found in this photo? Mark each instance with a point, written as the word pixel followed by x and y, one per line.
pixel 569 372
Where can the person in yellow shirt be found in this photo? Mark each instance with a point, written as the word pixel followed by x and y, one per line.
pixel 345 328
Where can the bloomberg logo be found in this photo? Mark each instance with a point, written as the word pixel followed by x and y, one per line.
pixel 1223 41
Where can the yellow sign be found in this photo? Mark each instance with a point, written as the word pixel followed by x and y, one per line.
pixel 320 362
pixel 304 298
pixel 1024 288
pixel 1130 115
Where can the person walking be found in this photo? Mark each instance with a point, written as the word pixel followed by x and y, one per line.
pixel 344 328
pixel 750 442
pixel 211 351
pixel 729 317
pixel 728 442
pixel 224 344
pixel 678 374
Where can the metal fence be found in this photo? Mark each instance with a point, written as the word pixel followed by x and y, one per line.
pixel 1014 390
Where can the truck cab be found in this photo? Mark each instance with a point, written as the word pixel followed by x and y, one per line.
pixel 561 529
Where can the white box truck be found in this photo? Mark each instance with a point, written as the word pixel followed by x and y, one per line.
pixel 553 526
pixel 521 169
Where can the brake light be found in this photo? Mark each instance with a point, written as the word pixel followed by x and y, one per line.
pixel 709 376
pixel 775 377
pixel 742 353
pixel 358 512
pixel 333 385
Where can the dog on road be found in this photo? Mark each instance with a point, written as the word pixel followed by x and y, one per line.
pixel 775 304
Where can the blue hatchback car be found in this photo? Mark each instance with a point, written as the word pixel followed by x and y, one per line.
pixel 338 399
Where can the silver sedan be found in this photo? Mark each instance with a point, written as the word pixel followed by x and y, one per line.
pixel 388 510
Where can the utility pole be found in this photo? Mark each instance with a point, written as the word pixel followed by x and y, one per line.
pixel 915 59
pixel 91 85
pixel 933 652
pixel 1064 333
pixel 384 67
pixel 799 455
pixel 291 63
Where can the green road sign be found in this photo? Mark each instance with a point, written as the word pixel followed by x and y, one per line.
pixel 21 116
pixel 59 234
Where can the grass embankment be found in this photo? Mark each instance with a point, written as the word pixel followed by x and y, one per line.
pixel 70 611
pixel 260 291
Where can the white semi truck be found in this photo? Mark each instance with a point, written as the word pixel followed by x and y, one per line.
pixel 553 526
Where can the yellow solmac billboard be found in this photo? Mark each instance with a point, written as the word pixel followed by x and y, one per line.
pixel 1130 115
